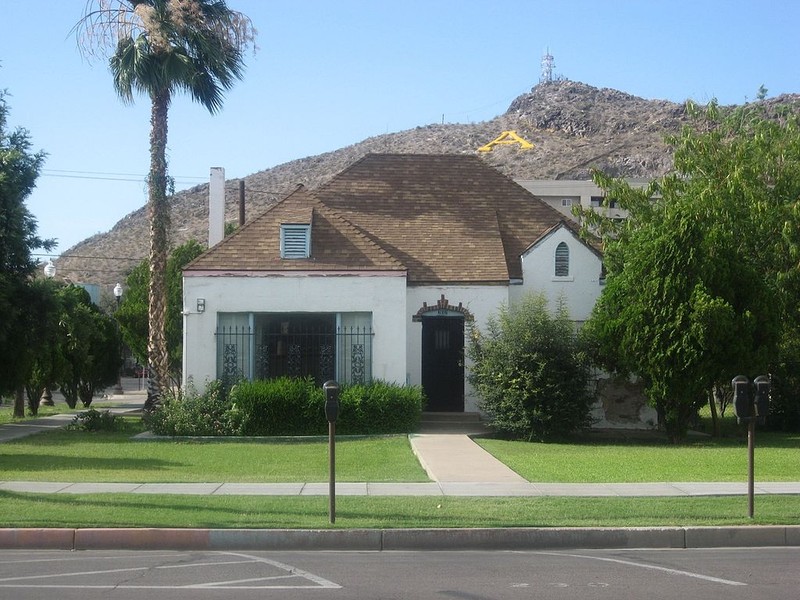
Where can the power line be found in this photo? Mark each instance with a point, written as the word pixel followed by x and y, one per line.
pixel 87 256
pixel 100 175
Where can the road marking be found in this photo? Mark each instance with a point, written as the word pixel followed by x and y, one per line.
pixel 646 566
pixel 316 582
pixel 321 581
pixel 74 574
pixel 83 558
pixel 237 581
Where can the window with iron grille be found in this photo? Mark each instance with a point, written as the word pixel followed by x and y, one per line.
pixel 269 345
pixel 562 260
pixel 295 241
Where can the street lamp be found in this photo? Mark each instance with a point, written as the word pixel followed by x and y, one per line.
pixel 118 296
pixel 49 269
pixel 47 394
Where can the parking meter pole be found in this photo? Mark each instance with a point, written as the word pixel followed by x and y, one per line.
pixel 332 471
pixel 751 444
pixel 331 390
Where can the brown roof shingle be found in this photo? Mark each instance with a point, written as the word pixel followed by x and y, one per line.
pixel 443 218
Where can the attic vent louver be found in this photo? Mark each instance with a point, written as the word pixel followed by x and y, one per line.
pixel 295 241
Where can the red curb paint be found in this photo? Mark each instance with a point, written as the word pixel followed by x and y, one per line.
pixel 142 539
pixel 45 539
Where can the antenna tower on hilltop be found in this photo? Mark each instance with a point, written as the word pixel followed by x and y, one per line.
pixel 548 64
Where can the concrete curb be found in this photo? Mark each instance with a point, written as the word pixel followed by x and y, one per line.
pixel 515 538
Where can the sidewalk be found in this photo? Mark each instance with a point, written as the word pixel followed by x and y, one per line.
pixel 469 488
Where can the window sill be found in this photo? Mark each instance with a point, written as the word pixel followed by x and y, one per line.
pixel 563 279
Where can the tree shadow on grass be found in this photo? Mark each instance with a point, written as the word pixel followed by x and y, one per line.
pixel 180 511
pixel 27 463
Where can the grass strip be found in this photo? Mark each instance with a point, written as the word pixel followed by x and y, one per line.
pixel 297 512
pixel 777 458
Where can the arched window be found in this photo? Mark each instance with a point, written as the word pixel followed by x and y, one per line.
pixel 562 260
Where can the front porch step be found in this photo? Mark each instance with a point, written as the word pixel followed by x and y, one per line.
pixel 451 422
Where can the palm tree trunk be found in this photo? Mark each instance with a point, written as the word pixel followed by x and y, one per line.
pixel 158 212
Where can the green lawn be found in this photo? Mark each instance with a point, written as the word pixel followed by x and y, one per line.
pixel 777 458
pixel 74 456
pixel 7 412
pixel 303 512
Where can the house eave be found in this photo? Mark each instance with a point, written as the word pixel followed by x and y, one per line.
pixel 299 273
pixel 459 282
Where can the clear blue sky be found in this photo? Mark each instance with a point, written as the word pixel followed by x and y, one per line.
pixel 330 73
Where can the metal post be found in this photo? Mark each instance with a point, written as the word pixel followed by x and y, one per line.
pixel 751 443
pixel 331 390
pixel 332 471
pixel 118 295
pixel 241 202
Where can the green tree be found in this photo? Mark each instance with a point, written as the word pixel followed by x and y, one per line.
pixel 702 277
pixel 531 372
pixel 19 169
pixel 159 48
pixel 132 313
pixel 89 347
pixel 43 339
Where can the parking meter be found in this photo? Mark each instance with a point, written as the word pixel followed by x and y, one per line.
pixel 762 387
pixel 750 410
pixel 741 397
pixel 331 389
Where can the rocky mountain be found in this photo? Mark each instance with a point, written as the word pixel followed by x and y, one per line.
pixel 574 128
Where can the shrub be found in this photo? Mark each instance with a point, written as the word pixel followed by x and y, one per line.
pixel 530 372
pixel 95 420
pixel 281 406
pixel 193 414
pixel 379 407
pixel 287 406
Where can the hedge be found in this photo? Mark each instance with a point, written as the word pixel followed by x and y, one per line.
pixel 287 406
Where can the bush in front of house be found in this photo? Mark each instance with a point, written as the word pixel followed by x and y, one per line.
pixel 287 406
pixel 379 407
pixel 297 407
pixel 282 406
pixel 531 372
pixel 94 420
pixel 191 413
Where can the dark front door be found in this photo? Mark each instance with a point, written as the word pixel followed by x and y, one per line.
pixel 443 363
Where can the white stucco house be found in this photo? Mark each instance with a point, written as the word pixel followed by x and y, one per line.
pixel 375 274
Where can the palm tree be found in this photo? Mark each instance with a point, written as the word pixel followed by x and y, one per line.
pixel 160 47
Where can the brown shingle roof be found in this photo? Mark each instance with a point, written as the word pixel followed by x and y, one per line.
pixel 444 218
pixel 335 244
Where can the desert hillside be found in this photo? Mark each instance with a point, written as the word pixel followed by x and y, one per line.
pixel 574 128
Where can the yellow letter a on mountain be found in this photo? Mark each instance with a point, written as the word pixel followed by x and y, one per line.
pixel 505 138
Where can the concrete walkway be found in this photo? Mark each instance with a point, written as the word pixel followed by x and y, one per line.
pixel 448 457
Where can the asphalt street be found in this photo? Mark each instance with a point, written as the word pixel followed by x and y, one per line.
pixel 711 574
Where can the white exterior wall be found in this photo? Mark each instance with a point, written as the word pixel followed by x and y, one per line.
pixel 580 289
pixel 576 191
pixel 481 302
pixel 383 296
